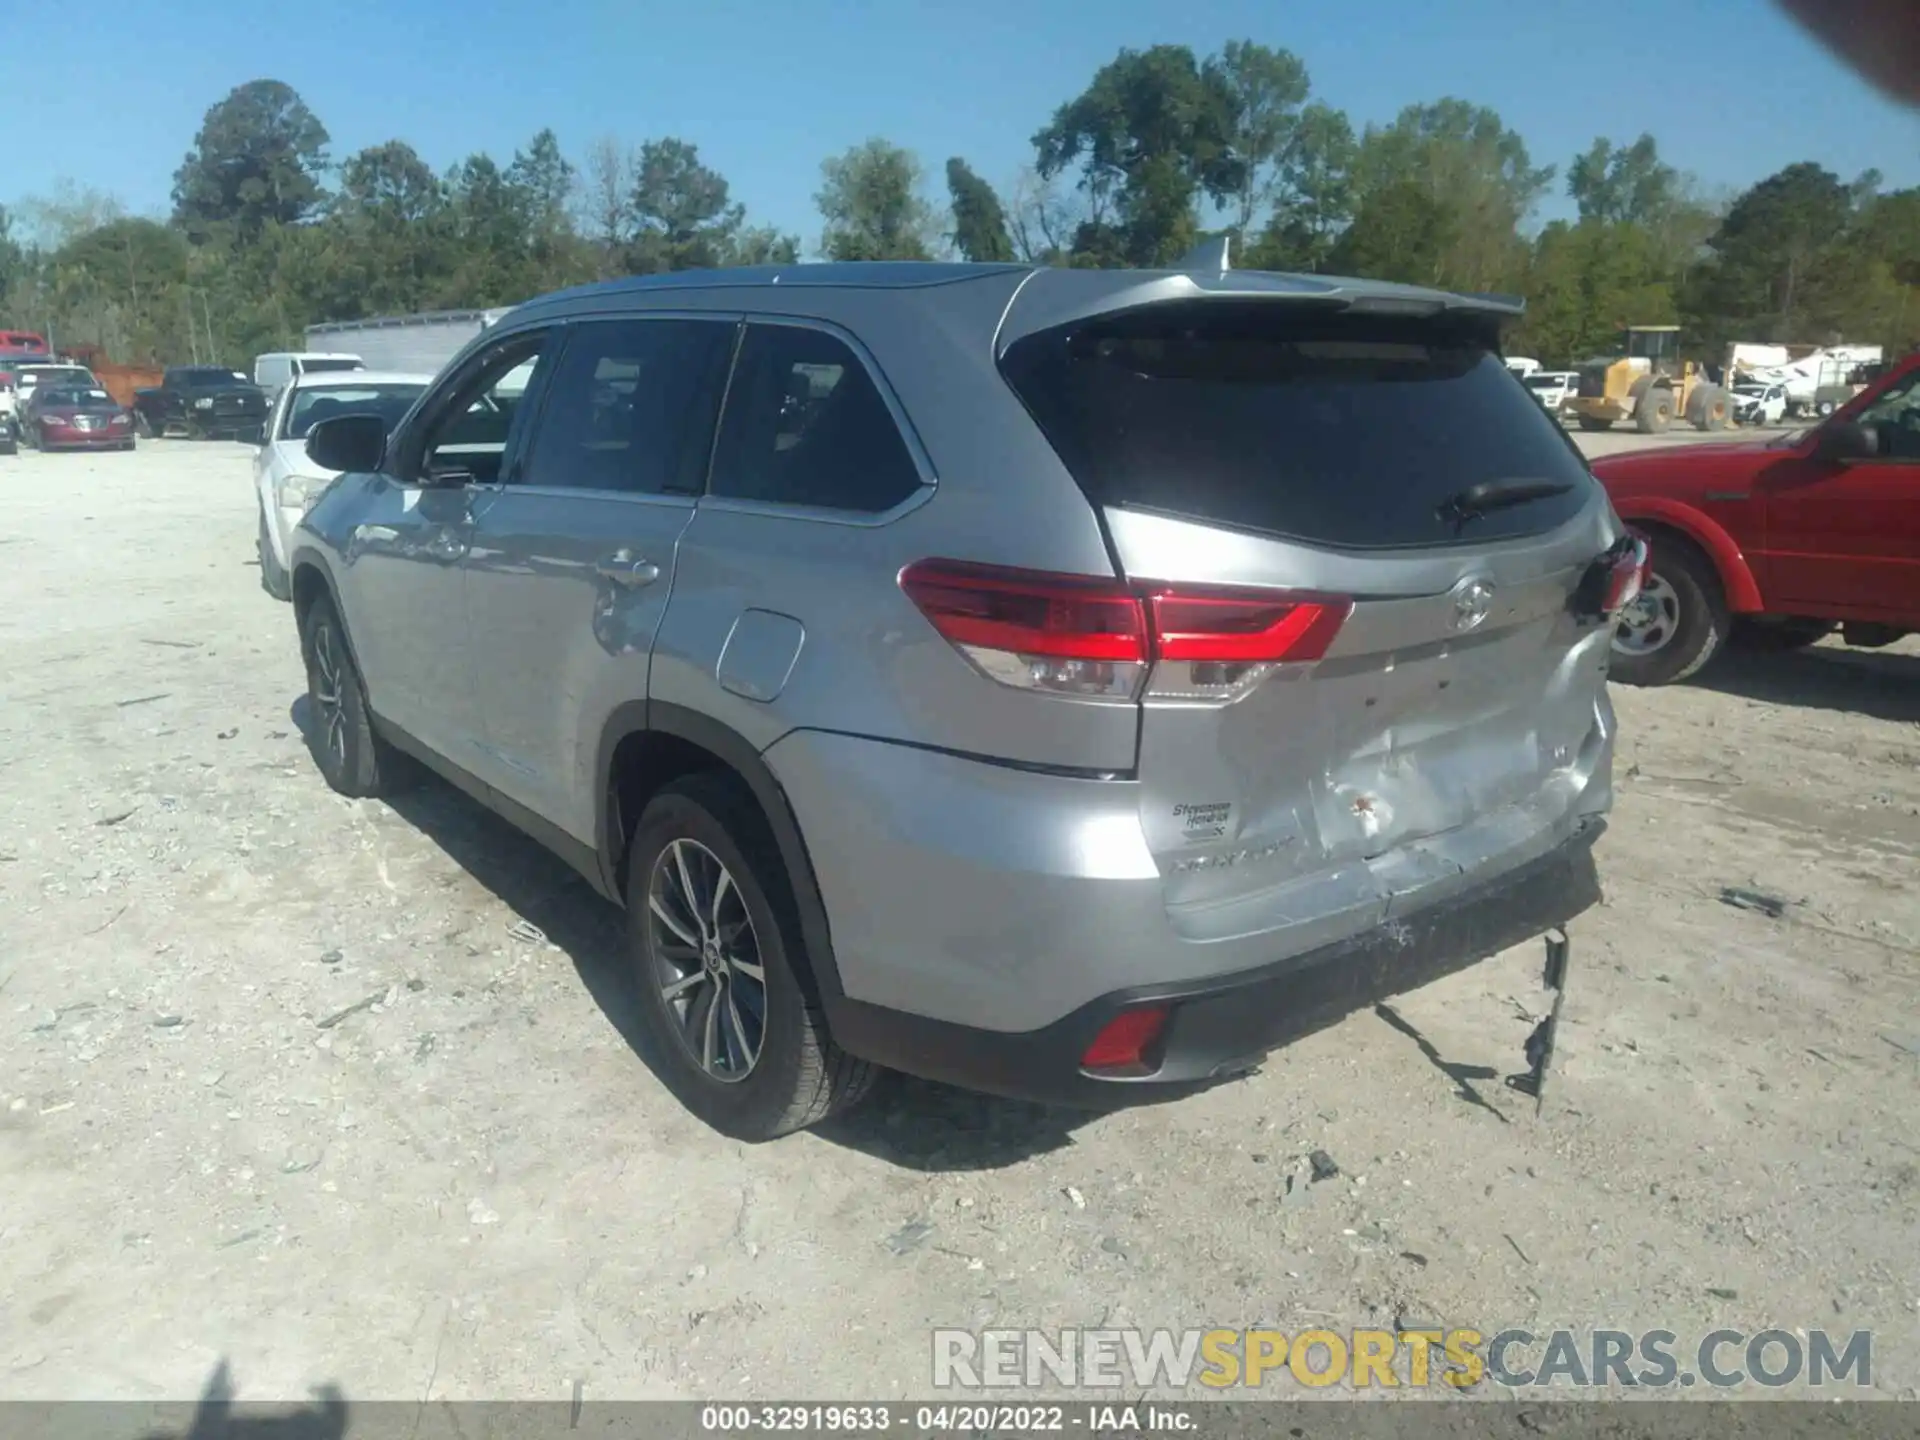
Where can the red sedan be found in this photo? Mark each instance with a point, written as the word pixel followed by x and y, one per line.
pixel 80 419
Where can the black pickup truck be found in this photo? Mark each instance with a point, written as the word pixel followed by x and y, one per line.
pixel 203 402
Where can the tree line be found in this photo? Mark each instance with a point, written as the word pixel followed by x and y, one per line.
pixel 269 233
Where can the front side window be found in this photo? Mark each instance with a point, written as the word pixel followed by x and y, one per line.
pixel 630 407
pixel 470 425
pixel 806 425
pixel 1896 415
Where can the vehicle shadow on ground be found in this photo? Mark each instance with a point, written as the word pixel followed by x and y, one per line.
pixel 1876 683
pixel 911 1123
pixel 214 1418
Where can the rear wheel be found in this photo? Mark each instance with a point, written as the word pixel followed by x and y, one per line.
pixel 736 1028
pixel 1677 624
pixel 352 759
pixel 1654 413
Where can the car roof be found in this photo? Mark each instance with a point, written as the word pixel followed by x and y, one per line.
pixel 326 379
pixel 1048 295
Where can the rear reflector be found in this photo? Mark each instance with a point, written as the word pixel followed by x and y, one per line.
pixel 1123 1041
pixel 1082 635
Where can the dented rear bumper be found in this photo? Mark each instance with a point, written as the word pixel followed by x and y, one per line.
pixel 1224 1025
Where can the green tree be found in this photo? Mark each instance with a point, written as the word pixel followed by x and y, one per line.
pixel 120 287
pixel 1313 196
pixel 979 221
pixel 257 160
pixel 1478 180
pixel 764 245
pixel 870 198
pixel 680 212
pixel 1149 135
pixel 13 261
pixel 1630 184
pixel 1267 88
pixel 1401 232
pixel 1587 281
pixel 395 212
pixel 1780 267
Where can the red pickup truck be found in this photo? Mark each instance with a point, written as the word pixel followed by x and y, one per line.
pixel 1780 541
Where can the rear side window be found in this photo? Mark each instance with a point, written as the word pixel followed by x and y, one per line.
pixel 630 407
pixel 806 425
pixel 1343 431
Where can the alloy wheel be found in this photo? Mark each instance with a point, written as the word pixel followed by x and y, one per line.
pixel 1650 622
pixel 328 687
pixel 706 960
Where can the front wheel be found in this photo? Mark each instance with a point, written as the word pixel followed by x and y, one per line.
pixel 352 759
pixel 143 427
pixel 1678 622
pixel 736 1031
pixel 1589 423
pixel 1654 413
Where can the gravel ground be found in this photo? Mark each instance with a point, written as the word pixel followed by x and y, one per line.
pixel 337 1092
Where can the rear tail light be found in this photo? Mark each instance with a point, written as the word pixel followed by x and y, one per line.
pixel 1079 635
pixel 1123 1042
pixel 1627 576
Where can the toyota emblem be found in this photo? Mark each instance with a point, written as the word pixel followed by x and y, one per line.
pixel 1472 603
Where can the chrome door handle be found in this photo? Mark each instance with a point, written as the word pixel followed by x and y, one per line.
pixel 623 569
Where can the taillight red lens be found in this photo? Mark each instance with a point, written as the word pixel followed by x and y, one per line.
pixel 1066 617
pixel 1627 577
pixel 1123 1041
pixel 1083 635
pixel 1229 626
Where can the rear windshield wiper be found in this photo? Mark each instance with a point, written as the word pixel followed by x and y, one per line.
pixel 1489 495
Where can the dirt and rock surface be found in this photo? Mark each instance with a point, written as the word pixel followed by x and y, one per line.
pixel 340 1092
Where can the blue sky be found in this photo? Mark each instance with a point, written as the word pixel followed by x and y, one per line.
pixel 1730 87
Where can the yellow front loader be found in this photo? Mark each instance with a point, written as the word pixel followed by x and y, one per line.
pixel 1649 384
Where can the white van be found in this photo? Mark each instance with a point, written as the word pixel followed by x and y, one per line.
pixel 273 370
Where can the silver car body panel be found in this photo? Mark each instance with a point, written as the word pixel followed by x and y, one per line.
pixel 990 855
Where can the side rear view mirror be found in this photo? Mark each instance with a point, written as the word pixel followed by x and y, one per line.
pixel 352 443
pixel 1848 440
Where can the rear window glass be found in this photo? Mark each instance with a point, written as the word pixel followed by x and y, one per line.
pixel 1344 431
pixel 327 367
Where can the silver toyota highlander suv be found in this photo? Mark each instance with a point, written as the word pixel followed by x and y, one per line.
pixel 1067 684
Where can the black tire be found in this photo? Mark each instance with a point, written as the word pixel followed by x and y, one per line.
pixel 1587 422
pixel 352 759
pixel 797 1076
pixel 1712 408
pixel 273 575
pixel 1696 624
pixel 1776 634
pixel 1654 412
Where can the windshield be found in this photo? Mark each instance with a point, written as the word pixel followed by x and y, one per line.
pixel 329 402
pixel 57 377
pixel 1544 382
pixel 204 377
pixel 79 397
